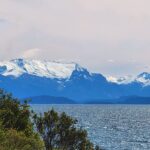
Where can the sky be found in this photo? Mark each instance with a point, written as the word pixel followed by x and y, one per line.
pixel 107 36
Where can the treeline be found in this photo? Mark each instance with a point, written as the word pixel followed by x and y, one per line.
pixel 22 129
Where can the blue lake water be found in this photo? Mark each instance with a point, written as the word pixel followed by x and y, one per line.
pixel 113 127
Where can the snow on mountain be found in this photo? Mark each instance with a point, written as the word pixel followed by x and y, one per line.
pixel 143 78
pixel 61 70
pixel 48 69
pixel 121 80
pixel 73 82
pixel 112 79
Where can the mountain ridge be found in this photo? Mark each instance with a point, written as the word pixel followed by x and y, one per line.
pixel 45 99
pixel 30 78
pixel 49 69
pixel 59 70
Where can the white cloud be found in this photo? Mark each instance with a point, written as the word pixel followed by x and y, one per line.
pixel 30 53
pixel 90 32
pixel 111 60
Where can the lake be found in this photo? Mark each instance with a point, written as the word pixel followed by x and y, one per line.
pixel 113 127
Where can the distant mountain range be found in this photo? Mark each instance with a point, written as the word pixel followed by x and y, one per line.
pixel 51 79
pixel 121 100
pixel 44 99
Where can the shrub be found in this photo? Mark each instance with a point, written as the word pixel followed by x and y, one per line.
pixel 14 140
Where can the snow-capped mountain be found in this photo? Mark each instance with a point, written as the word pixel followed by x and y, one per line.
pixel 143 78
pixel 121 80
pixel 60 70
pixel 49 69
pixel 28 78
pixel 34 78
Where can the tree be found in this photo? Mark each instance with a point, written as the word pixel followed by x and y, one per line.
pixel 16 128
pixel 15 115
pixel 60 132
pixel 97 148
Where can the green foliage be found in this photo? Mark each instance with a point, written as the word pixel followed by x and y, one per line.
pixel 13 114
pixel 55 132
pixel 16 128
pixel 60 132
pixel 14 140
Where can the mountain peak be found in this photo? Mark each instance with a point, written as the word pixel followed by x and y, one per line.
pixel 145 75
pixel 19 62
pixel 121 80
pixel 144 78
pixel 48 69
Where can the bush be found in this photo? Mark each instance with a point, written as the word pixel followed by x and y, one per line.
pixel 14 140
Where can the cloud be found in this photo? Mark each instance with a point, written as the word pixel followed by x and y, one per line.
pixel 30 53
pixel 2 20
pixel 89 32
pixel 111 60
pixel 4 23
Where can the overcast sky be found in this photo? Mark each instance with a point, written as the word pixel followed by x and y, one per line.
pixel 107 36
